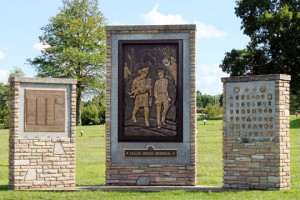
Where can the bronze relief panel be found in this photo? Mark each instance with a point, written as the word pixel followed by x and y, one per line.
pixel 150 91
pixel 44 110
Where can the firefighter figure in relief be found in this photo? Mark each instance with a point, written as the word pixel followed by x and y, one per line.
pixel 141 92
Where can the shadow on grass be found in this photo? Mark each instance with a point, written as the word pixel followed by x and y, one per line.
pixel 3 187
pixel 200 118
pixel 295 123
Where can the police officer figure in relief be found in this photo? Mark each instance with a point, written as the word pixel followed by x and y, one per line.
pixel 161 98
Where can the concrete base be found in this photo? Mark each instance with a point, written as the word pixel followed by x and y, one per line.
pixel 136 188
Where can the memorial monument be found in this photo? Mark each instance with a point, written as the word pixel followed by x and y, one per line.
pixel 150 116
pixel 42 133
pixel 256 146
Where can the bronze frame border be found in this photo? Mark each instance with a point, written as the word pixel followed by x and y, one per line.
pixel 179 89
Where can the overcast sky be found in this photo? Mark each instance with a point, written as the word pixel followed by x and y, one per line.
pixel 218 30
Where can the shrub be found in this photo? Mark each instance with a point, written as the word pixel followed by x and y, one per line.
pixel 90 115
pixel 213 110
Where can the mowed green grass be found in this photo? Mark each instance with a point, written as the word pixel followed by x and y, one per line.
pixel 90 169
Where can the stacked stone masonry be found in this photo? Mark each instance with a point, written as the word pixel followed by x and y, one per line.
pixel 150 174
pixel 261 161
pixel 41 161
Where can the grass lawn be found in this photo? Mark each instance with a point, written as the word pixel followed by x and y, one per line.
pixel 91 169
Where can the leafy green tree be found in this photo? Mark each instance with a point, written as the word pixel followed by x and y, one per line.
pixel 294 102
pixel 4 105
pixel 90 114
pixel 198 99
pixel 75 41
pixel 17 72
pixel 273 27
pixel 4 98
pixel 93 111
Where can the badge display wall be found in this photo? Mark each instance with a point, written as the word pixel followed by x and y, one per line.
pixel 250 111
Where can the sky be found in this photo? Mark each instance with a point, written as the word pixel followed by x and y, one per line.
pixel 218 30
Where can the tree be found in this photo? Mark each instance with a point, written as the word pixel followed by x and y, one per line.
pixel 4 98
pixel 90 114
pixel 75 47
pixel 198 99
pixel 17 72
pixel 93 111
pixel 273 27
pixel 294 102
pixel 4 105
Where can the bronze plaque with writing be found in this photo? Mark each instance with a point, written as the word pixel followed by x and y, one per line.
pixel 44 110
pixel 150 152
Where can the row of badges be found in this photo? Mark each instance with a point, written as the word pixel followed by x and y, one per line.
pixel 251 134
pixel 252 97
pixel 249 126
pixel 261 88
pixel 253 111
pixel 249 119
pixel 248 104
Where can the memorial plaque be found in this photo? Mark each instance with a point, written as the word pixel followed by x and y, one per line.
pixel 150 152
pixel 44 110
pixel 250 113
pixel 150 91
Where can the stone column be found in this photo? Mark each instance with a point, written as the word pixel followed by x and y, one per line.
pixel 256 144
pixel 42 133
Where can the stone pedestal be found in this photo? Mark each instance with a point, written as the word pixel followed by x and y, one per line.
pixel 42 133
pixel 256 143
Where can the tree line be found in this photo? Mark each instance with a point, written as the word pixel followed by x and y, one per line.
pixel 208 104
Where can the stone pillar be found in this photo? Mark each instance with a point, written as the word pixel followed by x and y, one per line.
pixel 161 162
pixel 256 144
pixel 42 133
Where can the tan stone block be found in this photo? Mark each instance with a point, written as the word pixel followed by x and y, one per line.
pixel 48 180
pixel 167 179
pixel 169 168
pixel 35 182
pixel 49 175
pixel 243 159
pixel 151 175
pixel 247 174
pixel 21 162
pixel 135 171
pixel 240 169
pixel 186 175
pixel 50 159
pixel 21 146
pixel 248 151
pixel 165 174
pixel 50 171
pixel 230 177
pixel 149 170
